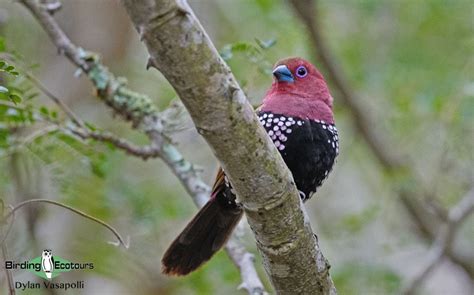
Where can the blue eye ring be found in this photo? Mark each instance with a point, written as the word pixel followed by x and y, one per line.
pixel 301 71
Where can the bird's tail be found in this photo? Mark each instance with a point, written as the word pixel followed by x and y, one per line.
pixel 48 274
pixel 202 237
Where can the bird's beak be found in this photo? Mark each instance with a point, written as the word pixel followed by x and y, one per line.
pixel 283 74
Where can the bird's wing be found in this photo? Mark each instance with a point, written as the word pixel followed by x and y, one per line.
pixel 219 183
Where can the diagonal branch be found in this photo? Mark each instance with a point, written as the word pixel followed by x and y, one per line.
pixel 181 50
pixel 443 241
pixel 139 109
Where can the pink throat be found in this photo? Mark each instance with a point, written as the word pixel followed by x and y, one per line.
pixel 294 105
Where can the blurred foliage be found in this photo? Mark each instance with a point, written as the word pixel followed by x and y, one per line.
pixel 411 61
pixel 377 279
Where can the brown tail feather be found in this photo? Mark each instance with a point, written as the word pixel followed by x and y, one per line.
pixel 202 237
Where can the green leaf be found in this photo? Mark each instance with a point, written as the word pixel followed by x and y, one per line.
pixel 251 51
pixel 98 162
pixel 2 44
pixel 91 126
pixel 44 111
pixel 9 68
pixel 15 98
pixel 265 44
pixel 32 95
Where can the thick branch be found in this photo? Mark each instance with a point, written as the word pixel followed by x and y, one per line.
pixel 138 109
pixel 391 162
pixel 180 49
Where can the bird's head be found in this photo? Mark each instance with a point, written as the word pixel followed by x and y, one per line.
pixel 299 89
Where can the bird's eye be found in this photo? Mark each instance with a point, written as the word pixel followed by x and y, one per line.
pixel 301 71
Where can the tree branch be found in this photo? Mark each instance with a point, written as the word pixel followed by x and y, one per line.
pixel 140 110
pixel 444 239
pixel 144 152
pixel 181 50
pixel 391 162
pixel 78 212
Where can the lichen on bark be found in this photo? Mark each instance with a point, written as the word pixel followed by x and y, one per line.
pixel 181 50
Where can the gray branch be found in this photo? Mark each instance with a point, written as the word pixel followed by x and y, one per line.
pixel 181 50
pixel 444 239
pixel 139 109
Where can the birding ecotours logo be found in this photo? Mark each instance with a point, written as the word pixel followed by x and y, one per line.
pixel 48 266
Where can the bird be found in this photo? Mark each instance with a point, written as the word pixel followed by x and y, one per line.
pixel 297 115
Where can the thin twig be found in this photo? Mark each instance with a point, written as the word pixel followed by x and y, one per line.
pixel 10 226
pixel 183 170
pixel 60 39
pixel 463 209
pixel 96 220
pixel 39 133
pixel 144 152
pixel 74 118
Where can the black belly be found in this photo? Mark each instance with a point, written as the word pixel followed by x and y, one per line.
pixel 309 149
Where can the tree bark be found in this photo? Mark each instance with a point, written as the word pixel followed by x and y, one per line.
pixel 181 50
